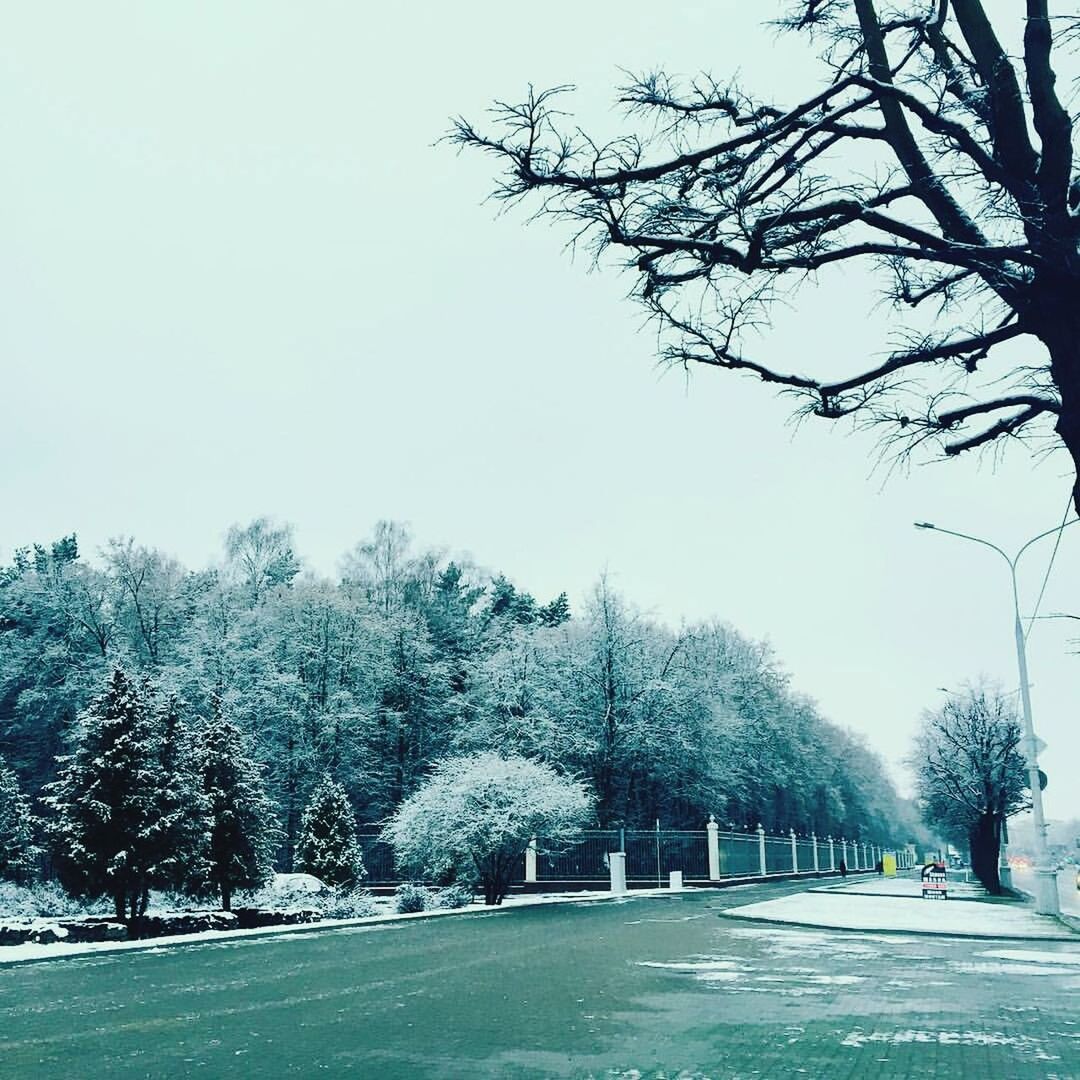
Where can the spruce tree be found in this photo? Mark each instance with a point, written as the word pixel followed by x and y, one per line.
pixel 106 827
pixel 243 832
pixel 184 807
pixel 327 847
pixel 18 852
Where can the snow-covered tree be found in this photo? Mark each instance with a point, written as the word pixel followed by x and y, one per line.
pixel 107 826
pixel 327 846
pixel 474 818
pixel 183 805
pixel 243 831
pixel 18 852
pixel 970 775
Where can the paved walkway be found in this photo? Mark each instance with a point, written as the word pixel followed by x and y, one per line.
pixel 896 904
pixel 627 989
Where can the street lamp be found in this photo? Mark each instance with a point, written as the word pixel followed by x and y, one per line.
pixel 1046 891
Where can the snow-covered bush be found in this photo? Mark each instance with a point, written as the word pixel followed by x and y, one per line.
pixel 327 846
pixel 348 904
pixel 476 815
pixel 45 900
pixel 284 891
pixel 454 896
pixel 411 898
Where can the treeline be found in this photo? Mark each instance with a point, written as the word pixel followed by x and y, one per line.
pixel 407 657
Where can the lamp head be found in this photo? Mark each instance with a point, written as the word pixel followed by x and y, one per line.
pixel 924 525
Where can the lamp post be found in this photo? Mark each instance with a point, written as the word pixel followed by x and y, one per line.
pixel 1046 891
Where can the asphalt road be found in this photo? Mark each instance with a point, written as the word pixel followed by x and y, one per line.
pixel 640 988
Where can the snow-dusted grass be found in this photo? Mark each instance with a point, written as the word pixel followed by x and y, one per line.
pixel 856 908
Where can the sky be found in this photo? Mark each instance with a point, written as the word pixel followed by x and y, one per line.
pixel 243 277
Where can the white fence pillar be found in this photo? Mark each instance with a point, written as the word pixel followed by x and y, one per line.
pixel 794 854
pixel 832 854
pixel 713 831
pixel 761 850
pixel 843 853
pixel 530 860
pixel 617 866
pixel 813 837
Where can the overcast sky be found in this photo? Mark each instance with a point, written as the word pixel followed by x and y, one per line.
pixel 241 279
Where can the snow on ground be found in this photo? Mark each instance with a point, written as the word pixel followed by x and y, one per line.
pixel 1031 956
pixel 854 908
pixel 904 886
pixel 22 953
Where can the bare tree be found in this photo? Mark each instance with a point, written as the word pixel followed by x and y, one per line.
pixel 970 775
pixel 926 152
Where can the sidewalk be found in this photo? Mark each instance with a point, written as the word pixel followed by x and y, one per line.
pixel 896 904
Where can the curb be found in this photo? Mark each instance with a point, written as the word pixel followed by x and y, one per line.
pixel 1071 922
pixel 1069 938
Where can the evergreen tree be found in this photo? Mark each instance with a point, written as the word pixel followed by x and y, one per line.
pixel 107 827
pixel 243 832
pixel 555 613
pixel 18 852
pixel 328 847
pixel 184 807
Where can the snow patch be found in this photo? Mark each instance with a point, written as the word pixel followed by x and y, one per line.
pixel 987 968
pixel 859 1038
pixel 1033 956
pixel 846 911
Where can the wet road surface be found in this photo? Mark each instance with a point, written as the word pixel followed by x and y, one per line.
pixel 640 988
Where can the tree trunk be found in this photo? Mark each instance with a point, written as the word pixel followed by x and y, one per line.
pixel 985 842
pixel 226 898
pixel 1059 330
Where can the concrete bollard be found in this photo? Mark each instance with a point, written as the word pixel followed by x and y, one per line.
pixel 675 879
pixel 617 865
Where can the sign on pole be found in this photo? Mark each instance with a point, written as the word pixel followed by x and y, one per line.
pixel 934 881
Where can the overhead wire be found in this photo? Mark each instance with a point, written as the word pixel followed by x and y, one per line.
pixel 1049 566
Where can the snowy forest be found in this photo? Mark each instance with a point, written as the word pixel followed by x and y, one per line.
pixel 407 657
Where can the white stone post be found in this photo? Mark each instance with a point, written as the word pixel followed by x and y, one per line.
pixel 843 852
pixel 832 854
pixel 617 865
pixel 761 850
pixel 675 879
pixel 813 837
pixel 530 860
pixel 794 854
pixel 713 832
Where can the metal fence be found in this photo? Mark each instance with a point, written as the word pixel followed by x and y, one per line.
pixel 378 858
pixel 739 855
pixel 651 855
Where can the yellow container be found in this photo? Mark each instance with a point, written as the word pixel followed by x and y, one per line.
pixel 888 863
